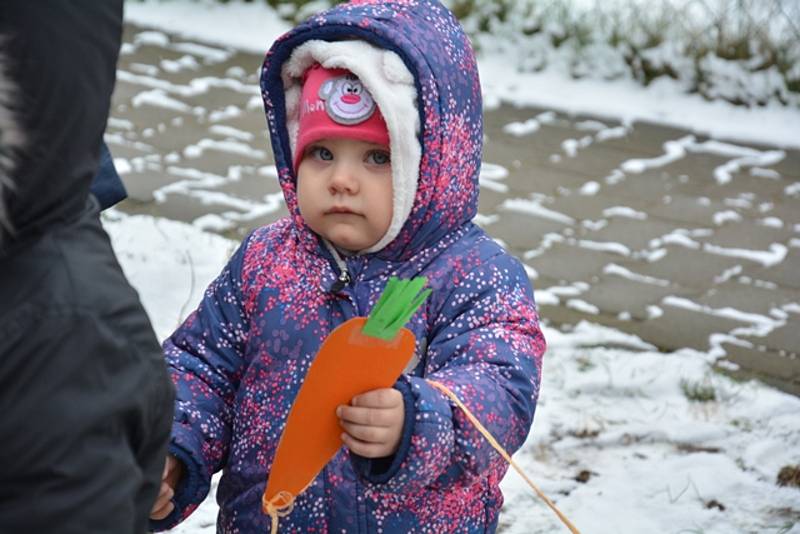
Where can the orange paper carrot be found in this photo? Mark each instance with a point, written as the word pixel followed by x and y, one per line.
pixel 358 356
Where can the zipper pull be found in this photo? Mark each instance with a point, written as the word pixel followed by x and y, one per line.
pixel 341 282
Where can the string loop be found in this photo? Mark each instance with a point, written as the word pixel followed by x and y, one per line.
pixel 281 505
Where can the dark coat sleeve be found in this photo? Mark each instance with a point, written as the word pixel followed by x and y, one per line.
pixel 85 397
pixel 83 447
pixel 107 186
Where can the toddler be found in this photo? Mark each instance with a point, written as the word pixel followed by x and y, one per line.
pixel 374 111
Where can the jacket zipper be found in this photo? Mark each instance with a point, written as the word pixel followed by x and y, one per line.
pixel 344 278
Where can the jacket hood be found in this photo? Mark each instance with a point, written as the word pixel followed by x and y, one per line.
pixel 436 51
pixel 57 73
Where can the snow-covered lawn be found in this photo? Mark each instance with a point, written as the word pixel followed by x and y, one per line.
pixel 617 442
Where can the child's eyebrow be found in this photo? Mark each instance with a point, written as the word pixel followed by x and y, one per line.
pixel 378 146
pixel 312 146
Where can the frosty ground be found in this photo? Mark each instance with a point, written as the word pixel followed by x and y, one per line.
pixel 627 438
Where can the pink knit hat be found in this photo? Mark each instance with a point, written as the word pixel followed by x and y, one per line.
pixel 335 104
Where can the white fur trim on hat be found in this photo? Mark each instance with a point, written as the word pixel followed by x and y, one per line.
pixel 391 85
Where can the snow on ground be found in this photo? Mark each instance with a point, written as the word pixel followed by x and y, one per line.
pixel 664 101
pixel 248 26
pixel 168 262
pixel 617 443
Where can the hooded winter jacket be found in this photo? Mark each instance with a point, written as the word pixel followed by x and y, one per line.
pixel 238 361
pixel 85 398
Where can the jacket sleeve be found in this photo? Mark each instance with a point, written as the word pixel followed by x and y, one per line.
pixel 487 347
pixel 83 426
pixel 205 359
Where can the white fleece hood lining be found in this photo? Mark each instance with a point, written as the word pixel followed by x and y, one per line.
pixel 391 84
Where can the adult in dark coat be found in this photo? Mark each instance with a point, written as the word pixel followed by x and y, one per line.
pixel 85 400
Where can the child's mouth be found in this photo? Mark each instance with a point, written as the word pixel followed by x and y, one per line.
pixel 340 209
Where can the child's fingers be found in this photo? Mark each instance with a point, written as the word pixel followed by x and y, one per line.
pixel 163 505
pixel 367 434
pixel 367 450
pixel 378 398
pixel 162 512
pixel 366 416
pixel 165 494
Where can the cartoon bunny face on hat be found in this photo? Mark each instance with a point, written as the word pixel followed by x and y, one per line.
pixel 346 100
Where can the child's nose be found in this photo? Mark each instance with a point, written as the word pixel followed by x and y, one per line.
pixel 343 179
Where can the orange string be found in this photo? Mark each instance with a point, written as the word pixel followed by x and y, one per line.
pixel 279 506
pixel 477 424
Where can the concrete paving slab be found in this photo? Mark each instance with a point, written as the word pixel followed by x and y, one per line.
pixel 489 201
pixel 749 297
pixel 692 269
pixel 770 367
pixel 596 161
pixel 176 134
pixel 606 293
pixel 747 234
pixel 588 207
pixel 569 263
pixel 543 180
pixel 646 139
pixel 679 327
pixel 249 120
pixel 693 210
pixel 521 231
pixel 744 185
pixel 698 166
pixel 785 274
pixel 566 317
pixel 121 146
pixel 784 340
pixel 651 187
pixel 789 166
pixel 219 161
pixel 251 185
pixel 634 234
pixel 785 210
pixel 141 185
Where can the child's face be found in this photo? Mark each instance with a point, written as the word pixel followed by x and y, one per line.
pixel 344 191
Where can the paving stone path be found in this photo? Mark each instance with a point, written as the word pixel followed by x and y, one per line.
pixel 679 239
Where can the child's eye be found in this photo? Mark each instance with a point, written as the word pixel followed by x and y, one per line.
pixel 321 153
pixel 379 157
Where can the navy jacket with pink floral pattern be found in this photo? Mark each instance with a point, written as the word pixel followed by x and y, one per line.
pixel 240 358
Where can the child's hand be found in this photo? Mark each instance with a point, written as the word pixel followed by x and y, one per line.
pixel 173 471
pixel 373 423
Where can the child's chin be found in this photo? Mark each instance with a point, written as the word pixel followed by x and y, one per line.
pixel 345 242
pixel 349 244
